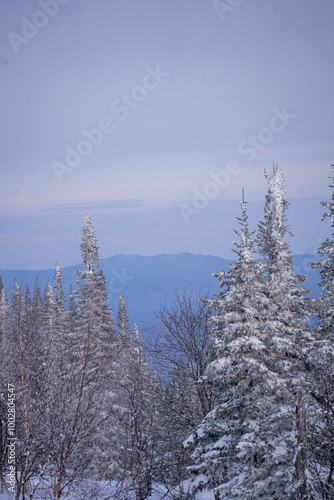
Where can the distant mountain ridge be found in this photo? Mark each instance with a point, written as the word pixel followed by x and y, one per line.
pixel 149 282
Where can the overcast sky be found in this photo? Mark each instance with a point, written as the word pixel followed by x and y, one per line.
pixel 152 115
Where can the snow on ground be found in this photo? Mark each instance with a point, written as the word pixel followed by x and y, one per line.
pixel 106 490
pixel 100 491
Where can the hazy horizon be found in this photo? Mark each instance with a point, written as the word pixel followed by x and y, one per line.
pixel 304 221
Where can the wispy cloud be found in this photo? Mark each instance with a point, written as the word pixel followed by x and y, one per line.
pixel 93 207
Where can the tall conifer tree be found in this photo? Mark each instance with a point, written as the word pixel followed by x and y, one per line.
pixel 288 306
pixel 320 396
pixel 326 267
pixel 95 319
pixel 228 437
pixel 245 447
pixel 60 337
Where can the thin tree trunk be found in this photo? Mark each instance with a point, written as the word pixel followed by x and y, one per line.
pixel 301 458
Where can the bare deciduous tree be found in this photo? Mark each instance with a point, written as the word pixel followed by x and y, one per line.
pixel 185 343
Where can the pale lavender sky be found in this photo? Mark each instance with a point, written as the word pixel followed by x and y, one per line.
pixel 193 99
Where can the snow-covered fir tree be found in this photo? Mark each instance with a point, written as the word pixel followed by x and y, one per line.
pixel 135 424
pixel 95 317
pixel 221 438
pixel 49 310
pixel 122 320
pixel 326 266
pixel 72 323
pixel 82 409
pixel 288 306
pixel 37 301
pixel 320 394
pixel 245 447
pixel 92 337
pixel 60 321
pixel 31 371
pixel 319 435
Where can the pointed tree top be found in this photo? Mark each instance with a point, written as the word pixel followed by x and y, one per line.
pixel 123 318
pixel 3 298
pixel 89 248
pixel 48 290
pixel 27 295
pixel 274 228
pixel 37 288
pixel 136 332
pixel 16 290
pixel 244 248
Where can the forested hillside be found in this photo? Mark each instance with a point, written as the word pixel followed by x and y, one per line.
pixel 233 399
pixel 149 283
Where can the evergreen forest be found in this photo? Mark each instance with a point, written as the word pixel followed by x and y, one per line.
pixel 233 399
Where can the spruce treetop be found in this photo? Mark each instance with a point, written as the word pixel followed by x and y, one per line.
pixel 136 334
pixel 122 320
pixel 3 303
pixel 59 292
pixel 282 283
pixel 89 248
pixel 273 230
pixel 242 288
pixel 48 292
